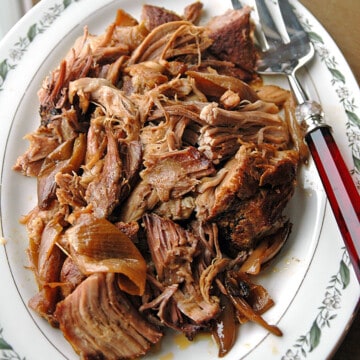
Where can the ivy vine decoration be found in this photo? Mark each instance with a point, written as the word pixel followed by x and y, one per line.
pixel 20 47
pixel 345 96
pixel 6 350
pixel 327 312
pixel 338 283
pixel 6 65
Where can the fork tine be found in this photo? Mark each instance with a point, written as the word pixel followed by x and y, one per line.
pixel 236 4
pixel 278 16
pixel 291 22
pixel 272 23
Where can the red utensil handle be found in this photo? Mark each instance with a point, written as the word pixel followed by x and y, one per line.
pixel 343 196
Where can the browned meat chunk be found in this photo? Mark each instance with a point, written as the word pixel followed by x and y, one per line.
pixel 171 40
pixel 193 11
pixel 167 176
pixel 153 16
pixel 232 42
pixel 45 139
pixel 130 229
pixel 176 173
pixel 247 197
pixel 174 250
pixel 119 331
pixel 66 158
pixel 69 190
pixel 255 218
pixel 70 277
pixel 42 143
pixel 103 193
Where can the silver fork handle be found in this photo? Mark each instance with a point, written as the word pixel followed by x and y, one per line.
pixel 307 111
pixel 297 89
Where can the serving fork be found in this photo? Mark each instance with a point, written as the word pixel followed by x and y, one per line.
pixel 285 48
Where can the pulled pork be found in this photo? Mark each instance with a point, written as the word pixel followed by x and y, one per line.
pixel 163 168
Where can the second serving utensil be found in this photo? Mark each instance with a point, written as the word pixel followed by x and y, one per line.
pixel 285 47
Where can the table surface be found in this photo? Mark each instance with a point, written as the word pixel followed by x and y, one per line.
pixel 341 20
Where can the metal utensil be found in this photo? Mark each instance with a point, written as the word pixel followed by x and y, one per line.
pixel 285 47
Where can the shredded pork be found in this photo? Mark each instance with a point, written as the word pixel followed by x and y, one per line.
pixel 163 168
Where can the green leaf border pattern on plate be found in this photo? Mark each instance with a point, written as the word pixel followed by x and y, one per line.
pixel 6 350
pixel 338 282
pixel 8 64
pixel 327 312
pixel 20 47
pixel 345 96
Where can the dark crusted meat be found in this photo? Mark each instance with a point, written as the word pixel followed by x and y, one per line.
pixel 231 35
pixel 247 197
pixel 153 16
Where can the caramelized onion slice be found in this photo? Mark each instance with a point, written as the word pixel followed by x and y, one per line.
pixel 250 300
pixel 245 309
pixel 267 250
pixel 224 332
pixel 96 245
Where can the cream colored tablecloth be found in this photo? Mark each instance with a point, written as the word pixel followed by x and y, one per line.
pixel 341 19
